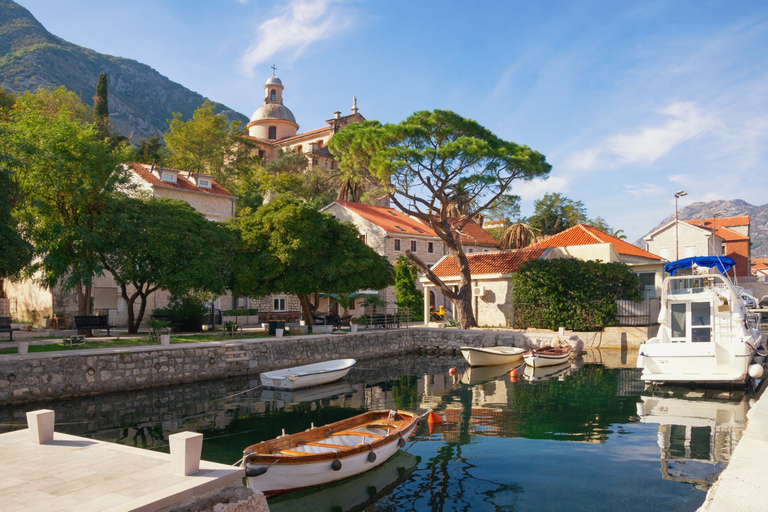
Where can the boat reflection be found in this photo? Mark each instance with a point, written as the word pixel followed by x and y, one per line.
pixel 475 375
pixel 353 494
pixel 536 374
pixel 698 430
pixel 307 394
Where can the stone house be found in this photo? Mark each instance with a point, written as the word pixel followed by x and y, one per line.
pixel 726 236
pixel 27 299
pixel 391 232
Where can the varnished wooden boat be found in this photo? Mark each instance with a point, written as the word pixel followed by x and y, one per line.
pixel 489 356
pixel 547 356
pixel 321 455
pixel 307 375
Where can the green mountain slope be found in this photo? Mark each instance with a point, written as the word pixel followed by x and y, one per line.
pixel 141 100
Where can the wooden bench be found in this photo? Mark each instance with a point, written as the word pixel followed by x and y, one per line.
pixel 5 326
pixel 93 322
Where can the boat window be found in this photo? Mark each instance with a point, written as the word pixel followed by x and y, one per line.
pixel 700 321
pixel 678 320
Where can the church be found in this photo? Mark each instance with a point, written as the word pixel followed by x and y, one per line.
pixel 273 127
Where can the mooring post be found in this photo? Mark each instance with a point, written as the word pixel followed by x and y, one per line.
pixel 186 448
pixel 40 425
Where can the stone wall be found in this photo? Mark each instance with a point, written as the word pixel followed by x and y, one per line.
pixel 45 376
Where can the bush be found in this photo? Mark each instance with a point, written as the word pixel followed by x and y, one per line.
pixel 188 310
pixel 240 312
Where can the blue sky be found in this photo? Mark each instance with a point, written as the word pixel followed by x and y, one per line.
pixel 629 101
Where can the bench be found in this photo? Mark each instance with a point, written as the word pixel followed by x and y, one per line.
pixel 5 326
pixel 93 322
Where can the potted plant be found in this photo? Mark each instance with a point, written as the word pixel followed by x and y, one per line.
pixel 231 327
pixel 157 329
pixel 357 321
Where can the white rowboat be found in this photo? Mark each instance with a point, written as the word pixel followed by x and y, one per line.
pixel 547 356
pixel 488 356
pixel 321 455
pixel 307 375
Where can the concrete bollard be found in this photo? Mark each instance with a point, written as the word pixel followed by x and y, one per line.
pixel 186 448
pixel 40 425
pixel 23 347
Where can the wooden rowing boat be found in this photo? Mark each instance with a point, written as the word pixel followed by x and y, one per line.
pixel 547 356
pixel 316 374
pixel 541 373
pixel 488 356
pixel 321 455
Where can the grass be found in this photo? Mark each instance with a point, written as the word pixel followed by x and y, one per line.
pixel 134 342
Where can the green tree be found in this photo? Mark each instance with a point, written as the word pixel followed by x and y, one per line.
pixel 66 175
pixel 554 213
pixel 290 175
pixel 101 107
pixel 288 246
pixel 15 251
pixel 163 243
pixel 353 178
pixel 571 293
pixel 406 293
pixel 150 150
pixel 424 162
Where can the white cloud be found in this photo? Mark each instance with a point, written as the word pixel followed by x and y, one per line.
pixel 685 121
pixel 535 189
pixel 301 23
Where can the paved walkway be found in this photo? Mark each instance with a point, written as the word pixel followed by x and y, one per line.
pixel 743 485
pixel 76 474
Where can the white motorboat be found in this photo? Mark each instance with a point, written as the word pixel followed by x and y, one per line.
pixel 321 455
pixel 548 356
pixel 489 356
pixel 307 375
pixel 706 334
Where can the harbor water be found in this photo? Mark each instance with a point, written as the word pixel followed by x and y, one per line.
pixel 579 436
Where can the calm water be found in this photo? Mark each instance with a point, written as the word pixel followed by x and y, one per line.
pixel 582 437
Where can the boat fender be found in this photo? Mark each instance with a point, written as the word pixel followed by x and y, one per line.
pixel 372 455
pixel 371 490
pixel 401 441
pixel 252 472
pixel 336 465
pixel 756 371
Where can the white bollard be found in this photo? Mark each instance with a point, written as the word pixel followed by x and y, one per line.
pixel 23 347
pixel 278 333
pixel 186 448
pixel 40 425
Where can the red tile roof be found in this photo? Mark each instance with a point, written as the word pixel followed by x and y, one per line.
pixel 581 234
pixel 721 227
pixel 182 183
pixel 492 262
pixel 398 223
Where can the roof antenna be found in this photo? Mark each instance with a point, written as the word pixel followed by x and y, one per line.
pixel 189 172
pixel 152 169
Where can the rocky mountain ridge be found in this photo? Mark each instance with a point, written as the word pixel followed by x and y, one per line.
pixel 758 220
pixel 141 100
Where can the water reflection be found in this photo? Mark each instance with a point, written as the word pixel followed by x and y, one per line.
pixel 698 430
pixel 589 427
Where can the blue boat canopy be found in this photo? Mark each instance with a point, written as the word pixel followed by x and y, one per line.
pixel 722 263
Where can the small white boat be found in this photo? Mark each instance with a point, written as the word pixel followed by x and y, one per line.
pixel 547 356
pixel 474 375
pixel 706 334
pixel 321 455
pixel 307 375
pixel 488 356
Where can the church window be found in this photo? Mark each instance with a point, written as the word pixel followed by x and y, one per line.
pixel 273 95
pixel 272 132
pixel 299 149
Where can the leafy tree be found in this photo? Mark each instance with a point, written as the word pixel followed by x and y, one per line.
pixel 579 295
pixel 288 246
pixel 506 207
pixel 427 161
pixel 150 150
pixel 406 293
pixel 101 107
pixel 66 175
pixel 290 175
pixel 354 180
pixel 163 243
pixel 555 213
pixel 601 224
pixel 15 251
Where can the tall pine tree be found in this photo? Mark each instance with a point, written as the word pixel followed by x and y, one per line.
pixel 101 108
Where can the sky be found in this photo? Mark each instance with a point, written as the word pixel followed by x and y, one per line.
pixel 629 101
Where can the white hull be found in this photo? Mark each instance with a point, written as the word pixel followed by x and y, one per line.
pixel 538 359
pixel 540 373
pixel 307 375
pixel 700 362
pixel 490 356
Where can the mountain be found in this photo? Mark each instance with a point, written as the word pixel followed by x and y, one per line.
pixel 141 100
pixel 758 220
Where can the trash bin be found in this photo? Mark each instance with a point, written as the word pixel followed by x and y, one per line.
pixel 273 325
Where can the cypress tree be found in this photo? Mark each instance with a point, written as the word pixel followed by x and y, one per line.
pixel 100 106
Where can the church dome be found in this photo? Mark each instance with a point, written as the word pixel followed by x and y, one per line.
pixel 273 111
pixel 274 80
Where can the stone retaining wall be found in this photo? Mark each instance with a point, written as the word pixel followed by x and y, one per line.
pixel 51 375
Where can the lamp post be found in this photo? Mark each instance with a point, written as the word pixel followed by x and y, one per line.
pixel 678 195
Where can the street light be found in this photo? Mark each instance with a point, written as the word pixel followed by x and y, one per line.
pixel 678 195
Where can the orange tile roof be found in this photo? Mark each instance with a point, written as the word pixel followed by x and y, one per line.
pixel 760 261
pixel 721 227
pixel 492 262
pixel 394 221
pixel 581 234
pixel 182 183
